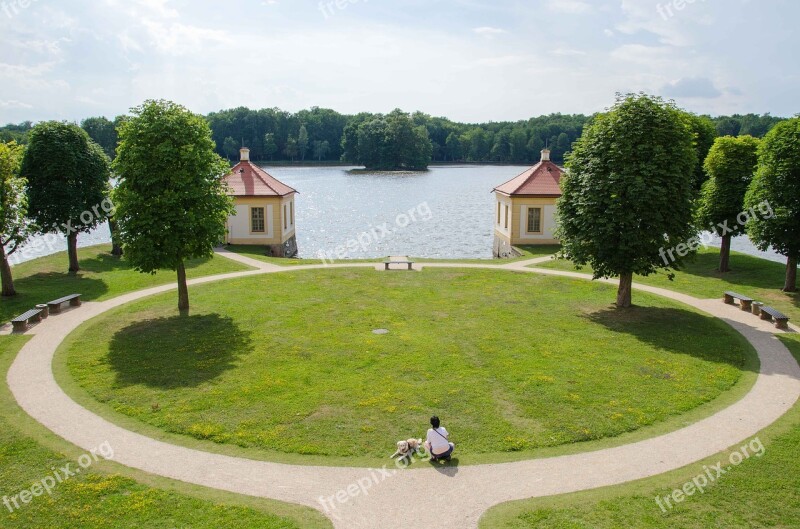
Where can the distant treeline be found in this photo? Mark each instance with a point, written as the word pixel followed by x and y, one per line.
pixel 321 134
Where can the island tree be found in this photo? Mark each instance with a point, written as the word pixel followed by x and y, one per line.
pixel 67 175
pixel 775 190
pixel 730 166
pixel 627 196
pixel 388 143
pixel 14 228
pixel 171 200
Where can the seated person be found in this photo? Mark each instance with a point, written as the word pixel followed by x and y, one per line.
pixel 437 441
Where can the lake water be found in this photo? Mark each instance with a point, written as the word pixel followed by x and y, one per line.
pixel 447 212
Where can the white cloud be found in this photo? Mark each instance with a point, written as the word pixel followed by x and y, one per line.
pixel 571 7
pixel 13 104
pixel 489 32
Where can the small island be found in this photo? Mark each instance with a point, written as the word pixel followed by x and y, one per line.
pixel 387 143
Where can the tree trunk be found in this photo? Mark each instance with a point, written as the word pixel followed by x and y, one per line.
pixel 183 289
pixel 624 298
pixel 72 249
pixel 725 254
pixel 5 273
pixel 791 275
pixel 116 248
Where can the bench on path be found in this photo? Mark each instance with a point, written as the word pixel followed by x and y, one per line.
pixel 55 305
pixel 745 303
pixel 21 322
pixel 770 314
pixel 391 262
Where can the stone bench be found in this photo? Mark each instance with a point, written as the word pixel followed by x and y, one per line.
pixel 745 303
pixel 21 322
pixel 410 264
pixel 770 314
pixel 55 305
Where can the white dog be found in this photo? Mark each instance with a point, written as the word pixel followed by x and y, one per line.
pixel 407 448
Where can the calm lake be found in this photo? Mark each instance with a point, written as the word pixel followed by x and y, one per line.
pixel 444 213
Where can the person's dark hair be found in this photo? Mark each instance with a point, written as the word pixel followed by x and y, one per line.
pixel 435 421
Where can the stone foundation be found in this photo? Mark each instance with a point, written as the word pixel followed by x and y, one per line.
pixel 503 249
pixel 286 250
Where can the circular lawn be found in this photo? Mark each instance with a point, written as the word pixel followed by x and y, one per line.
pixel 289 363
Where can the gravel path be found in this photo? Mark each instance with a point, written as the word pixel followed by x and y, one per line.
pixel 389 499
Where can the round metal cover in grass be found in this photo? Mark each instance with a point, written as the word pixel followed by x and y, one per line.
pixel 380 331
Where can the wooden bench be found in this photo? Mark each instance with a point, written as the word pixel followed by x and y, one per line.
pixel 409 263
pixel 55 305
pixel 770 314
pixel 21 322
pixel 745 303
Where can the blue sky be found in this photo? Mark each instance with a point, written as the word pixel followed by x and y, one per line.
pixel 470 60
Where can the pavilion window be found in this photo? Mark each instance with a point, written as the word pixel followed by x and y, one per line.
pixel 258 220
pixel 506 217
pixel 534 220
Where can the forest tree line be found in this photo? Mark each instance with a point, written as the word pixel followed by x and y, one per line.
pixel 324 135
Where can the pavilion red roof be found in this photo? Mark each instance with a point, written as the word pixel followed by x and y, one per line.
pixel 541 180
pixel 249 180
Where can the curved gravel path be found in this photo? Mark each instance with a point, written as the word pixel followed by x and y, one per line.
pixel 399 499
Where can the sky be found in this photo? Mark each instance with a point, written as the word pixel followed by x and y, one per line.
pixel 468 60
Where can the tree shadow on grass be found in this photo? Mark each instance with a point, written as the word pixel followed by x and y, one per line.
pixel 670 329
pixel 177 352
pixel 746 270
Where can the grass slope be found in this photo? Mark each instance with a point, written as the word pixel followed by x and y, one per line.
pixel 102 276
pixel 762 492
pixel 285 363
pixel 103 496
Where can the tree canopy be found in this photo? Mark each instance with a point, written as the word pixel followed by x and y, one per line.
pixel 774 197
pixel 14 227
pixel 68 182
pixel 392 142
pixel 730 166
pixel 171 198
pixel 628 193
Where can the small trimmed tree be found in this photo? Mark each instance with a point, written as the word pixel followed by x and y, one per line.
pixel 776 188
pixel 730 166
pixel 67 175
pixel 628 192
pixel 14 227
pixel 171 200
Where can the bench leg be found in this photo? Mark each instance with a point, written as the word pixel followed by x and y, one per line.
pixel 20 326
pixel 765 316
pixel 782 324
pixel 728 299
pixel 55 309
pixel 75 302
pixel 747 306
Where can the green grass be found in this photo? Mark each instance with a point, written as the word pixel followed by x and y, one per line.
pixel 750 276
pixel 106 495
pixel 102 276
pixel 762 492
pixel 284 363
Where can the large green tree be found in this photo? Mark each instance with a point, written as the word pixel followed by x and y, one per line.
pixel 705 132
pixel 730 166
pixel 14 227
pixel 67 175
pixel 776 191
pixel 103 132
pixel 171 200
pixel 628 193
